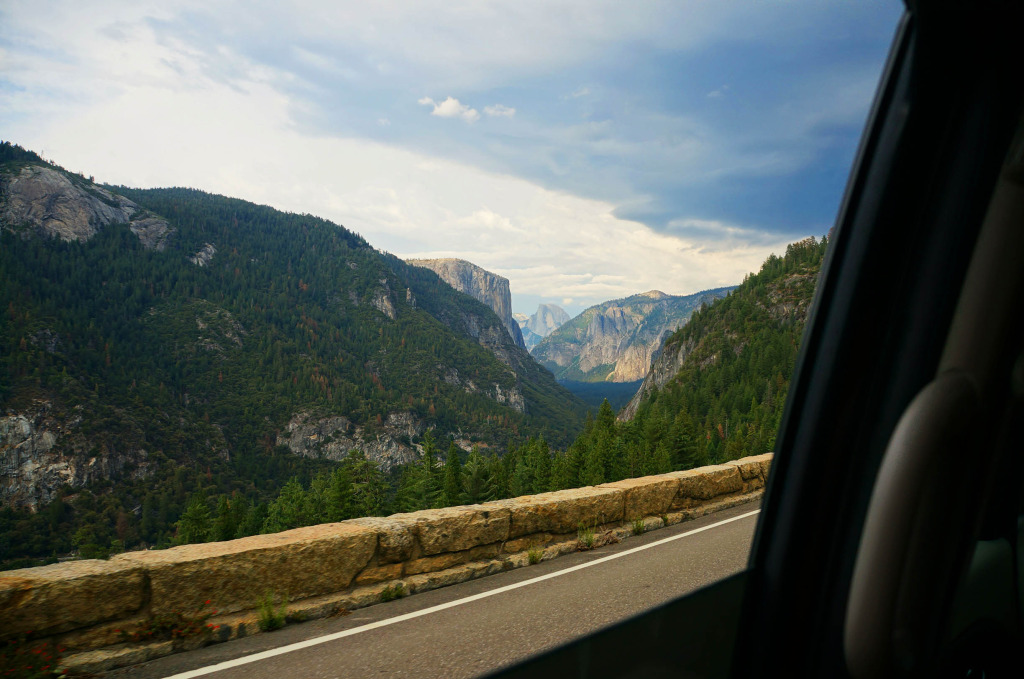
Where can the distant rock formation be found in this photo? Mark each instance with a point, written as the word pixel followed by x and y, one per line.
pixel 616 341
pixel 547 319
pixel 62 205
pixel 489 288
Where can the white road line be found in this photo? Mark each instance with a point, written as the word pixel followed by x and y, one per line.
pixel 263 655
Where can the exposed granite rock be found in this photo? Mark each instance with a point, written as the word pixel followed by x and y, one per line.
pixel 57 204
pixel 204 256
pixel 219 332
pixel 489 288
pixel 512 397
pixel 40 454
pixel 334 437
pixel 784 302
pixel 547 319
pixel 667 365
pixel 617 340
pixel 152 231
pixel 381 300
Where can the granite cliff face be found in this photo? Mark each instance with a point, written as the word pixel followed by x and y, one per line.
pixel 334 437
pixel 489 288
pixel 61 205
pixel 615 341
pixel 547 319
pixel 43 451
pixel 664 367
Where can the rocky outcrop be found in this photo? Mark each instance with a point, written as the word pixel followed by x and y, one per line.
pixel 382 301
pixel 56 204
pixel 616 341
pixel 334 437
pixel 204 256
pixel 41 453
pixel 667 365
pixel 489 288
pixel 542 323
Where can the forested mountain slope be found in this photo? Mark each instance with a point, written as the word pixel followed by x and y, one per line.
pixel 159 340
pixel 718 387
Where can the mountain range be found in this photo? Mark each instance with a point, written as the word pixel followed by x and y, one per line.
pixel 616 340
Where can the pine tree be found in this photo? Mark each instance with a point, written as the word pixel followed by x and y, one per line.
pixel 369 488
pixel 339 495
pixel 432 482
pixel 474 477
pixel 593 467
pixel 521 482
pixel 254 519
pixel 453 494
pixel 195 523
pixel 662 463
pixel 224 526
pixel 288 510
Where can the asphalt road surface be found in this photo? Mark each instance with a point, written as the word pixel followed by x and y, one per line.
pixel 479 626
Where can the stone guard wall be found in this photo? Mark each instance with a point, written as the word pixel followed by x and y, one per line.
pixel 326 569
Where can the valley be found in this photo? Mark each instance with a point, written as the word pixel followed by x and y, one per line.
pixel 184 367
pixel 616 341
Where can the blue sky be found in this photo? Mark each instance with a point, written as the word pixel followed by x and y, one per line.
pixel 585 150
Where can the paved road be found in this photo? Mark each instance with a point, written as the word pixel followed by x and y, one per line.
pixel 469 638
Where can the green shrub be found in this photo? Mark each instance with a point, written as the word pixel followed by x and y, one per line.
pixel 396 591
pixel 638 526
pixel 585 539
pixel 272 617
pixel 534 554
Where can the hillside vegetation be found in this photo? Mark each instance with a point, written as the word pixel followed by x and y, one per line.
pixel 146 372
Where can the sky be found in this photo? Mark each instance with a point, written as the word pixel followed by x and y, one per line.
pixel 585 150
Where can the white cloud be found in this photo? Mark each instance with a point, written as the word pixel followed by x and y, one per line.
pixel 383 122
pixel 717 94
pixel 451 108
pixel 192 115
pixel 499 110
